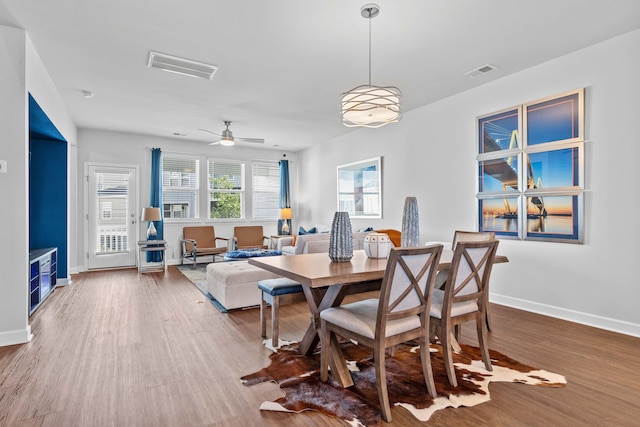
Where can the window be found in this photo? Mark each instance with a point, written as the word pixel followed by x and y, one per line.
pixel 266 190
pixel 112 210
pixel 530 169
pixel 226 189
pixel 106 208
pixel 179 187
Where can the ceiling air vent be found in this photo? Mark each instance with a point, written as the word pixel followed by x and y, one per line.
pixel 186 67
pixel 481 70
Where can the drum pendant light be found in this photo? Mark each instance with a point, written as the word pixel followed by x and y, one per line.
pixel 367 105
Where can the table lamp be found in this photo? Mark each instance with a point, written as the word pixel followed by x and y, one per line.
pixel 151 214
pixel 286 214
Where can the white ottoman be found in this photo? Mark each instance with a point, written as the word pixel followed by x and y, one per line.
pixel 235 284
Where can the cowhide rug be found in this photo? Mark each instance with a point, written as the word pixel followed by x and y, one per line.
pixel 299 378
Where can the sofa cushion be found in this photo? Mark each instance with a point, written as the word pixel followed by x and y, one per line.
pixel 319 242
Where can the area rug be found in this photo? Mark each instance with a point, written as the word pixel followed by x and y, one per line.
pixel 299 378
pixel 198 276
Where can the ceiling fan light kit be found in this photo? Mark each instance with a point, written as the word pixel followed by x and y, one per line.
pixel 227 136
pixel 368 105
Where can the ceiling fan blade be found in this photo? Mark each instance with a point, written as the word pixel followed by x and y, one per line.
pixel 254 140
pixel 218 135
pixel 207 130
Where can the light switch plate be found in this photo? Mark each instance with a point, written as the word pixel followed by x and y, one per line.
pixel 3 166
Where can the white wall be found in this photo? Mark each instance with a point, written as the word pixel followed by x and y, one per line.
pixel 14 189
pixel 430 154
pixel 131 149
pixel 22 72
pixel 43 90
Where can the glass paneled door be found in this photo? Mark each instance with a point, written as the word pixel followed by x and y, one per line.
pixel 112 218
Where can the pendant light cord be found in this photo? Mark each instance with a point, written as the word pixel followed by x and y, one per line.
pixel 369 47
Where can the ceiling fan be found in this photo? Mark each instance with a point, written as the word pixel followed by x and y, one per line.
pixel 227 137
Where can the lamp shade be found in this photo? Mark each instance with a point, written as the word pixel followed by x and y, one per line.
pixel 371 106
pixel 151 214
pixel 286 213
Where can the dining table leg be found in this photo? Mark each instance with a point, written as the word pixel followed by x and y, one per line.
pixel 318 300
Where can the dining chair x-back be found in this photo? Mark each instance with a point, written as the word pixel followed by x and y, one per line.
pixel 463 299
pixel 400 314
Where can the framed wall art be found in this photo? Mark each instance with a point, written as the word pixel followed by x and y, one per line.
pixel 530 169
pixel 360 188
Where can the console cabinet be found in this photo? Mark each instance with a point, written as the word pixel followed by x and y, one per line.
pixel 43 267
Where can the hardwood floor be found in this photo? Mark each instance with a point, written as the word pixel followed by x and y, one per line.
pixel 117 348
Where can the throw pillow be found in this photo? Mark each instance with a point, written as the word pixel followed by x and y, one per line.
pixel 302 231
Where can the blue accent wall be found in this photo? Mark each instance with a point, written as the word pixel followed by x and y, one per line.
pixel 48 198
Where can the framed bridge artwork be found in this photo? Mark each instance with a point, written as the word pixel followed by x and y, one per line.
pixel 360 188
pixel 531 170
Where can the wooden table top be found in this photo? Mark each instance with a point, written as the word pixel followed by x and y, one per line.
pixel 317 270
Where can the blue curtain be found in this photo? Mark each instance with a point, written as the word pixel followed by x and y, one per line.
pixel 285 196
pixel 155 198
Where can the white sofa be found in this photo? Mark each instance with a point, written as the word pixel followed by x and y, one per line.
pixel 314 243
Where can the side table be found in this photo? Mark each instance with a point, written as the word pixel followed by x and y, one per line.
pixel 273 240
pixel 146 246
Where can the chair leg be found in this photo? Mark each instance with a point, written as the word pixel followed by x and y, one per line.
pixel 391 351
pixel 425 357
pixel 324 351
pixel 381 381
pixel 445 340
pixel 487 320
pixel 457 330
pixel 275 308
pixel 263 317
pixel 482 340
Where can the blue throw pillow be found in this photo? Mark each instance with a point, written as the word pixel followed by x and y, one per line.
pixel 302 231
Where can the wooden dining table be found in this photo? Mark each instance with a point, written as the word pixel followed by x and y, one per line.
pixel 325 284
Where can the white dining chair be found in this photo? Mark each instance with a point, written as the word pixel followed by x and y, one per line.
pixel 463 299
pixel 400 314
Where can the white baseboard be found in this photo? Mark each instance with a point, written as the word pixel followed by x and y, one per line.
pixel 63 281
pixel 606 323
pixel 20 336
pixel 83 268
pixel 78 269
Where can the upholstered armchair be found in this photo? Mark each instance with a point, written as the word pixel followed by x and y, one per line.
pixel 250 236
pixel 200 241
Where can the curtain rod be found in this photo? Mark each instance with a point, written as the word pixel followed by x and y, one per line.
pixel 207 155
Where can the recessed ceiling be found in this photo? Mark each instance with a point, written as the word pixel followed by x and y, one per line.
pixel 284 64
